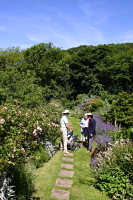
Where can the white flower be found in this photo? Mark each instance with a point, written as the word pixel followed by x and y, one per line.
pixel 5 108
pixel 2 121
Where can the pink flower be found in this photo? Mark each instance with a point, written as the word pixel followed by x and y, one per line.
pixel 23 149
pixel 12 155
pixel 40 129
pixel 34 132
pixel 8 117
pixel 13 150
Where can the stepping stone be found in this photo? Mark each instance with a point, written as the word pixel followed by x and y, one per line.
pixel 67 166
pixel 65 173
pixel 64 182
pixel 68 154
pixel 68 159
pixel 60 194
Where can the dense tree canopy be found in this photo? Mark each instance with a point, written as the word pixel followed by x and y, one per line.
pixel 45 71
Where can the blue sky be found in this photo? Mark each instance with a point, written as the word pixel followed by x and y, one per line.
pixel 65 23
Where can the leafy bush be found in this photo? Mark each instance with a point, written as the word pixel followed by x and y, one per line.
pixel 22 129
pixel 113 170
pixel 123 133
pixel 121 110
pixel 40 156
pixel 94 103
pixel 23 179
pixel 115 184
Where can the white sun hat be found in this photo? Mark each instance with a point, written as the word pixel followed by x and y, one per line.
pixel 66 111
pixel 89 114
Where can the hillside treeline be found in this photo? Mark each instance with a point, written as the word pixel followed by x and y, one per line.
pixel 36 75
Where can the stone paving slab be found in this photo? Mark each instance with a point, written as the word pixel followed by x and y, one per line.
pixel 68 159
pixel 65 173
pixel 60 194
pixel 67 166
pixel 68 154
pixel 64 182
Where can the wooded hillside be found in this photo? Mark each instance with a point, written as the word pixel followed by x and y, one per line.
pixel 37 74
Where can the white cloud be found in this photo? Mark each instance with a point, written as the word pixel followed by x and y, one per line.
pixel 129 35
pixel 126 37
pixel 32 38
pixel 25 46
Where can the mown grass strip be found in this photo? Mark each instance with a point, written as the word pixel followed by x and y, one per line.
pixel 83 179
pixel 82 188
pixel 46 177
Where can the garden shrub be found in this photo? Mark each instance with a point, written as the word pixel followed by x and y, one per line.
pixel 113 169
pixel 114 183
pixel 23 177
pixel 21 130
pixel 93 104
pixel 121 110
pixel 40 156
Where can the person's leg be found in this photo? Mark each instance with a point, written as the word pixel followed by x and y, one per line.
pixel 61 144
pixel 90 144
pixel 64 137
pixel 81 139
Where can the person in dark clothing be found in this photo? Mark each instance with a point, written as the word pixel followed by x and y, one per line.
pixel 91 131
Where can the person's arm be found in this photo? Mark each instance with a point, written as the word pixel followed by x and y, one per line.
pixel 68 127
pixel 81 123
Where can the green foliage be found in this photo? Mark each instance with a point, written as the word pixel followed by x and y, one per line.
pixel 113 170
pixel 23 177
pixel 121 133
pixel 21 87
pixel 21 129
pixel 94 103
pixel 116 66
pixel 11 57
pixel 115 184
pixel 40 156
pixel 121 110
pixel 45 71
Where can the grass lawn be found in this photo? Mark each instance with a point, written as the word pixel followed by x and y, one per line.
pixel 82 188
pixel 46 177
pixel 83 180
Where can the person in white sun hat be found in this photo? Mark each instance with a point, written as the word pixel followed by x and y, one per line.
pixel 64 128
pixel 84 129
pixel 91 131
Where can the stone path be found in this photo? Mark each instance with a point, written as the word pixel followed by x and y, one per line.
pixel 62 181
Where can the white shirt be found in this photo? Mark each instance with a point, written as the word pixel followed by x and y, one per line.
pixel 63 121
pixel 84 122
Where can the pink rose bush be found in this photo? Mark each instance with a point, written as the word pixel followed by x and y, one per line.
pixel 20 130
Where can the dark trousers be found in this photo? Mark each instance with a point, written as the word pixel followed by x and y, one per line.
pixel 90 140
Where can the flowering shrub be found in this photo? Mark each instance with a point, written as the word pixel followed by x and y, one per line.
pixel 113 170
pixel 103 128
pixel 21 130
pixel 93 104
